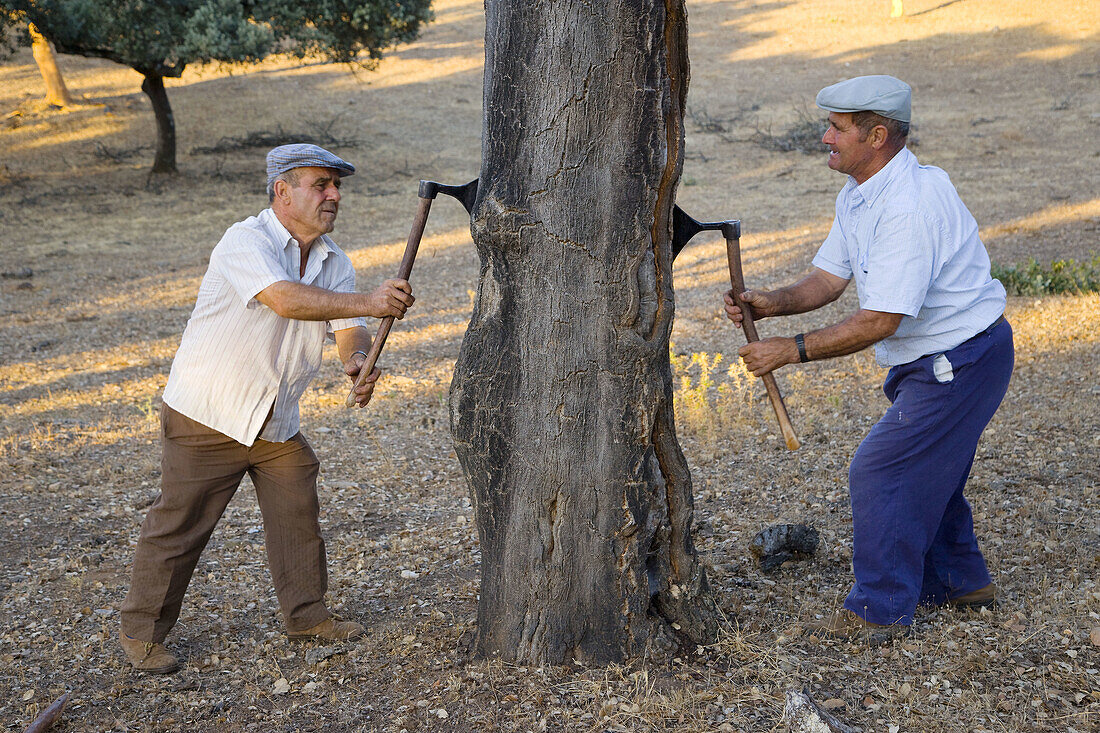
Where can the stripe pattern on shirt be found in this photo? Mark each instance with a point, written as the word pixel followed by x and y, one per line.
pixel 237 357
pixel 912 247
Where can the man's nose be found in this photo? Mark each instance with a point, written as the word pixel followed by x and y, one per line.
pixel 825 137
pixel 333 193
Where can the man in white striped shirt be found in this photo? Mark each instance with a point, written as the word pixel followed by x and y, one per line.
pixel 275 288
pixel 935 316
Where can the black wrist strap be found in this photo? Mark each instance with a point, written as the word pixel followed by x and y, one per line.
pixel 800 342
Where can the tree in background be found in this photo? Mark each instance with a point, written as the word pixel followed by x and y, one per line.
pixel 15 32
pixel 57 94
pixel 10 21
pixel 159 38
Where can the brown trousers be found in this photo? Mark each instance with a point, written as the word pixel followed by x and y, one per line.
pixel 200 471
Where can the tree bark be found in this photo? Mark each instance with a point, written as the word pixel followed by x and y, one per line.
pixel 165 159
pixel 561 402
pixel 57 94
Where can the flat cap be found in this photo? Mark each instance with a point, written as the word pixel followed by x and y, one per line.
pixel 303 155
pixel 883 94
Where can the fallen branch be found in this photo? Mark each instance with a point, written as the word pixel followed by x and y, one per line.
pixel 49 716
pixel 119 155
pixel 320 133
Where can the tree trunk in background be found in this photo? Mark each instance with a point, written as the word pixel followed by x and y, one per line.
pixel 165 158
pixel 57 94
pixel 561 403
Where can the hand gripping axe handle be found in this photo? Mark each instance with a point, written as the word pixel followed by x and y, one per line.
pixel 466 195
pixel 683 229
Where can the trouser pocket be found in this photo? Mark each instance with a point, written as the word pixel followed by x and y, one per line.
pixel 941 369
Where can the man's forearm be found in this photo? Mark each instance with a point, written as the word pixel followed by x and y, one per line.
pixel 810 293
pixel 855 333
pixel 350 340
pixel 310 303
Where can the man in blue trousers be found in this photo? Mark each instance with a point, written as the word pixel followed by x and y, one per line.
pixel 928 304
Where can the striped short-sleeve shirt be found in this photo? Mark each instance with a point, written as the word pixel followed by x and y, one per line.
pixel 912 247
pixel 237 357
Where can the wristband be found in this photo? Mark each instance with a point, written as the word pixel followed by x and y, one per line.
pixel 800 342
pixel 359 351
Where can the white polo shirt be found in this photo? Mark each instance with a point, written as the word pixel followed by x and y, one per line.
pixel 913 248
pixel 237 356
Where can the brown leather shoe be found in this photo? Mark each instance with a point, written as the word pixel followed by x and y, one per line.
pixel 148 656
pixel 331 629
pixel 981 598
pixel 845 624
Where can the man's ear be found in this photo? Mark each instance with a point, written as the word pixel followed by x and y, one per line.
pixel 280 187
pixel 879 135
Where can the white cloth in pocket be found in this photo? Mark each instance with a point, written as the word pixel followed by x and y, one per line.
pixel 941 368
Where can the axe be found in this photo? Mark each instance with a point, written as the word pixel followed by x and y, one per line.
pixel 466 194
pixel 683 229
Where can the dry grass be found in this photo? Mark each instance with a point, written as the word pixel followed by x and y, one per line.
pixel 713 400
pixel 85 345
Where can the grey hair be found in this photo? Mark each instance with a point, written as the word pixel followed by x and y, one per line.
pixel 897 132
pixel 290 176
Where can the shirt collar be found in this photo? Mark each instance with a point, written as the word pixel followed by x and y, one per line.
pixel 323 245
pixel 873 187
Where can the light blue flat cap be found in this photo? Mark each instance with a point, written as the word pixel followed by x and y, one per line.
pixel 883 94
pixel 303 155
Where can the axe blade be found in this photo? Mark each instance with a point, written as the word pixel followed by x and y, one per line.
pixel 684 227
pixel 466 193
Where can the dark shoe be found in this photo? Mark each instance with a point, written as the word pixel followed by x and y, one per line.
pixel 982 598
pixel 331 629
pixel 845 624
pixel 148 656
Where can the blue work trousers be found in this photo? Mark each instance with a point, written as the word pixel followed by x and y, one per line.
pixel 913 533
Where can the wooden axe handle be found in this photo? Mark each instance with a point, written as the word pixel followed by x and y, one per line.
pixel 737 282
pixel 403 273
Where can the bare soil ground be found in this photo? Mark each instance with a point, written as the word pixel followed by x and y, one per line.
pixel 1007 100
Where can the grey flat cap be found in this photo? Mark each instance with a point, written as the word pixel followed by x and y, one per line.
pixel 883 94
pixel 303 155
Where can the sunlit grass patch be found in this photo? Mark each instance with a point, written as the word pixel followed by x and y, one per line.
pixel 711 399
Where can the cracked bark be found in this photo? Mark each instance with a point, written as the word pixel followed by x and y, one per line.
pixel 561 402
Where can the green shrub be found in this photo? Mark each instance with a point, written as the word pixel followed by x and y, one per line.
pixel 1060 276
